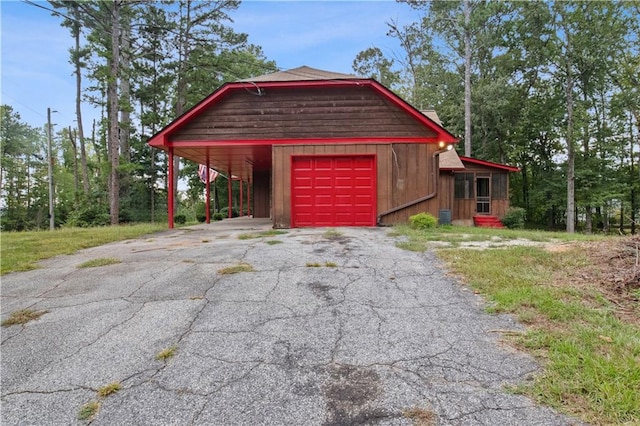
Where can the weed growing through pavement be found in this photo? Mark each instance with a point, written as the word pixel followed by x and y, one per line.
pixel 103 261
pixel 109 389
pixel 319 265
pixel 420 416
pixel 22 316
pixel 332 233
pixel 273 242
pixel 241 267
pixel 268 233
pixel 165 354
pixel 89 410
pixel 248 236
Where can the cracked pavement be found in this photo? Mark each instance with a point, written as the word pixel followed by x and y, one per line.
pixel 382 334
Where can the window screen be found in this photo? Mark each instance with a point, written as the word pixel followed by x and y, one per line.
pixel 499 186
pixel 463 186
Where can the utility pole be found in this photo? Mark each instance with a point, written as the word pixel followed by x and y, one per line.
pixel 52 222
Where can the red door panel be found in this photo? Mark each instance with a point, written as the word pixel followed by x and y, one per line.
pixel 333 190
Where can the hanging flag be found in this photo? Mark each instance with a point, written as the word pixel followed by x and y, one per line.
pixel 202 172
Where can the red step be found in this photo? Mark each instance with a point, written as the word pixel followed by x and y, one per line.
pixel 487 222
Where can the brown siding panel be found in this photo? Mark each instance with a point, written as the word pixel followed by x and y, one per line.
pixel 344 112
pixel 261 194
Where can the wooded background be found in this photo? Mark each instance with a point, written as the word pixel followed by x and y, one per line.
pixel 551 87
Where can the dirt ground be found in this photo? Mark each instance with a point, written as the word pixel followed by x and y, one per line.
pixel 614 271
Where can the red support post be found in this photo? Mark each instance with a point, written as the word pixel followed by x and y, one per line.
pixel 249 197
pixel 241 197
pixel 229 193
pixel 170 189
pixel 207 194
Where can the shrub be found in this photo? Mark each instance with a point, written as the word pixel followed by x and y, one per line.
pixel 423 221
pixel 225 212
pixel 201 212
pixel 514 218
pixel 180 219
pixel 218 216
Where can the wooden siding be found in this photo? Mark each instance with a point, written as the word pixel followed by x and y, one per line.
pixel 413 171
pixel 301 113
pixel 445 191
pixel 261 194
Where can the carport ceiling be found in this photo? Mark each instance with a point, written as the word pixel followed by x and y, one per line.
pixel 241 159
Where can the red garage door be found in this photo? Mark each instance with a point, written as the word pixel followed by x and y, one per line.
pixel 333 191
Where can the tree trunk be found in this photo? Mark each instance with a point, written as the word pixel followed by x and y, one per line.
pixel 570 153
pixel 467 78
pixel 76 177
pixel 125 93
pixel 78 71
pixel 112 112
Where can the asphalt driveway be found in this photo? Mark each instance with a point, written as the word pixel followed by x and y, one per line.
pixel 330 328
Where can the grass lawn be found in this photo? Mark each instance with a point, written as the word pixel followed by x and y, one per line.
pixel 20 251
pixel 589 351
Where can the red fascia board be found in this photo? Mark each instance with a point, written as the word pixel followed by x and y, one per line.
pixel 490 164
pixel 314 141
pixel 161 138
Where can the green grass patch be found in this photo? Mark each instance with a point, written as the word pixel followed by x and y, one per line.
pixel 89 410
pixel 22 250
pixel 272 232
pixel 109 389
pixel 455 235
pixel 241 267
pixel 273 242
pixel 590 357
pixel 167 353
pixel 248 236
pixel 103 261
pixel 331 264
pixel 22 316
pixel 269 233
pixel 313 265
pixel 332 233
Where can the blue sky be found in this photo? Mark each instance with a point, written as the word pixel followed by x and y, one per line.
pixel 36 73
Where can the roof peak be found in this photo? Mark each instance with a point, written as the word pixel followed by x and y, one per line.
pixel 302 73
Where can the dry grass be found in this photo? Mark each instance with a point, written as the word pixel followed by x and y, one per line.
pixel 109 389
pixel 22 316
pixel 165 354
pixel 421 416
pixel 103 261
pixel 241 267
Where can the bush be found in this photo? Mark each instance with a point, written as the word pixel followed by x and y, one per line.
pixel 180 219
pixel 87 215
pixel 514 218
pixel 225 212
pixel 218 216
pixel 423 221
pixel 201 212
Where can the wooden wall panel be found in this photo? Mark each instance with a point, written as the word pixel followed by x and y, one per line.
pixel 261 194
pixel 413 176
pixel 302 113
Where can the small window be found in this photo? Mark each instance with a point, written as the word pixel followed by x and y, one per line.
pixel 463 186
pixel 499 186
